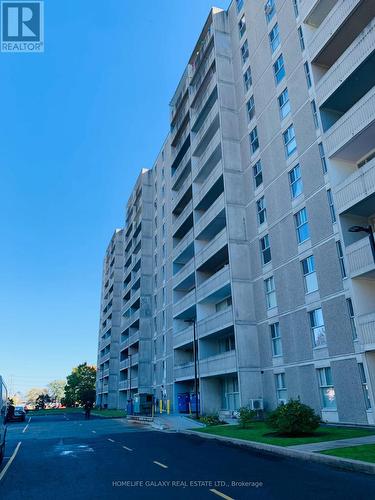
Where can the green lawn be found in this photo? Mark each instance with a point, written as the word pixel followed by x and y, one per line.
pixel 109 413
pixel 364 452
pixel 260 433
pixel 54 411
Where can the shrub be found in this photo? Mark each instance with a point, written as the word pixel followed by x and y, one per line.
pixel 246 416
pixel 211 420
pixel 293 418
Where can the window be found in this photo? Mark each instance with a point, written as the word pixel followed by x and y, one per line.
pixel 317 328
pixel 269 285
pixel 269 9
pixel 254 141
pixel 362 374
pixel 295 7
pixel 247 79
pixel 331 205
pixel 327 391
pixel 295 179
pixel 284 104
pixel 242 26
pixel 279 69
pixel 239 5
pixel 227 344
pixel 341 259
pixel 280 388
pixel 309 274
pixel 257 173
pixel 302 226
pixel 322 158
pixel 276 340
pixel 290 143
pixel 261 210
pixel 315 113
pixel 274 37
pixel 223 305
pixel 251 108
pixel 265 249
pixel 301 39
pixel 245 52
pixel 349 304
pixel 307 74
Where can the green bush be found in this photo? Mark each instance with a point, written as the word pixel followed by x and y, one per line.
pixel 246 417
pixel 294 418
pixel 211 420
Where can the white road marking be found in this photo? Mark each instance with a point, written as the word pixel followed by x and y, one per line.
pixel 94 432
pixel 25 428
pixel 4 471
pixel 220 494
pixel 126 448
pixel 161 465
pixel 112 440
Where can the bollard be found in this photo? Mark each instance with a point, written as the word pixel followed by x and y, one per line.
pixel 168 406
pixel 161 406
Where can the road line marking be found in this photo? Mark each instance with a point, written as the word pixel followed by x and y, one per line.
pixel 112 440
pixel 29 420
pixel 161 465
pixel 94 432
pixel 222 495
pixel 126 448
pixel 4 471
pixel 25 428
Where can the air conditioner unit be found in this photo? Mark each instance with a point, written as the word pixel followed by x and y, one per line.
pixel 256 404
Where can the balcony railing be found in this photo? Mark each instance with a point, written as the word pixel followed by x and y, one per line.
pixel 356 187
pixel 366 326
pixel 180 219
pixel 184 243
pixel 214 143
pixel 205 126
pixel 184 187
pixel 183 337
pixel 183 273
pixel 215 323
pixel 181 167
pixel 218 365
pixel 201 102
pixel 214 283
pixel 208 183
pixel 184 303
pixel 210 214
pixel 351 124
pixel 212 247
pixel 184 372
pixel 360 257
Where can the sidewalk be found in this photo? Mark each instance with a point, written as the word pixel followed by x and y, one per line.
pixel 328 445
pixel 175 422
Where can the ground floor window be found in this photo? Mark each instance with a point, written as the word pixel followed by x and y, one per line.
pixel 230 394
pixel 364 385
pixel 327 390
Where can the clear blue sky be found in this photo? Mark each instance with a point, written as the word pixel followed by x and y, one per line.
pixel 77 124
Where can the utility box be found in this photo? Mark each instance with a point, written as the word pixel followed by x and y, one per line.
pixel 130 407
pixel 143 404
pixel 183 400
pixel 193 402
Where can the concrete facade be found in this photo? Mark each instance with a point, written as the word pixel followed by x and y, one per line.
pixel 245 218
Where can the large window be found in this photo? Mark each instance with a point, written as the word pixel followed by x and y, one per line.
pixel 309 274
pixel 277 349
pixel 349 304
pixel 269 9
pixel 284 104
pixel 247 79
pixel 323 158
pixel 269 286
pixel 295 179
pixel 290 142
pixel 301 39
pixel 250 108
pixel 307 74
pixel 245 51
pixel 265 249
pixel 315 113
pixel 261 210
pixel 280 388
pixel 362 374
pixel 258 174
pixel 295 7
pixel 340 255
pixel 327 390
pixel 331 205
pixel 242 26
pixel 302 226
pixel 317 328
pixel 279 69
pixel 254 141
pixel 274 37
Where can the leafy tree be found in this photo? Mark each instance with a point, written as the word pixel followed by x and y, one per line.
pixel 294 418
pixel 33 394
pixel 41 401
pixel 80 386
pixel 56 389
pixel 247 417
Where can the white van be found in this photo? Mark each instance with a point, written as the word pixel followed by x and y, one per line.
pixel 3 412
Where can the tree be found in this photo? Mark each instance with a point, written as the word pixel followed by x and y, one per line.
pixel 33 394
pixel 80 386
pixel 56 389
pixel 41 401
pixel 294 419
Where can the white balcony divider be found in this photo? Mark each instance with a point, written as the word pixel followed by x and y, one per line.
pixel 360 257
pixel 356 187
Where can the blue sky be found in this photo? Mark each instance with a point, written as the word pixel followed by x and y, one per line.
pixel 78 123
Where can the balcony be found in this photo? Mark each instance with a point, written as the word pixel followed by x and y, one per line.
pixel 183 244
pixel 105 357
pixel 184 272
pixel 214 211
pixel 366 327
pixel 218 365
pixel 124 364
pixel 356 188
pixel 208 183
pixel 183 337
pixel 133 338
pixel 181 192
pixel 181 167
pixel 220 240
pixel 184 372
pixel 204 158
pixel 127 321
pixel 360 258
pixel 211 118
pixel 313 12
pixel 215 283
pixel 351 137
pixel 203 73
pixel 181 218
pixel 181 139
pixel 215 323
pixel 338 30
pixel 183 304
pixel 351 59
pixel 123 385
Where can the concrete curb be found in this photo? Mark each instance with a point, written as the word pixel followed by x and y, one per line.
pixel 341 463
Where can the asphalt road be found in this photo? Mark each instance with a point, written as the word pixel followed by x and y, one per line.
pixel 71 458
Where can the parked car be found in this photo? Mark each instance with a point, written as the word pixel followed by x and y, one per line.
pixel 19 413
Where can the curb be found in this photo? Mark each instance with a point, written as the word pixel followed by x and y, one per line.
pixel 341 463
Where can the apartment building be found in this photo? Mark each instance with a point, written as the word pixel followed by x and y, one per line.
pixel 257 287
